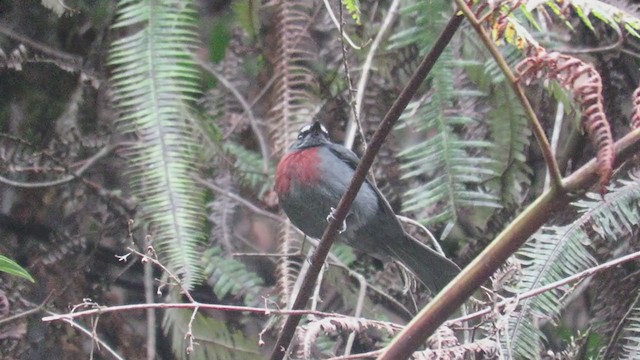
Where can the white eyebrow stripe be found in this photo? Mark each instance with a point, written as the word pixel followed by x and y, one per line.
pixel 306 128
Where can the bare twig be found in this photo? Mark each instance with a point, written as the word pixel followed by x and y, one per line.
pixel 91 334
pixel 255 127
pixel 153 258
pixel 257 254
pixel 358 311
pixel 338 25
pixel 367 355
pixel 239 199
pixel 74 175
pixel 435 243
pixel 355 125
pixel 604 48
pixel 74 60
pixel 151 313
pixel 555 137
pixel 352 104
pixel 539 290
pixel 189 335
pixel 190 305
pixel 328 237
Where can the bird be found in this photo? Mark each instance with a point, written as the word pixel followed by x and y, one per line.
pixel 310 179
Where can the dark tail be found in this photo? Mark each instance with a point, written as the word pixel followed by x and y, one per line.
pixel 434 270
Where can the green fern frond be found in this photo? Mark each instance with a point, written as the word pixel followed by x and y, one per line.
pixel 446 157
pixel 229 276
pixel 630 333
pixel 511 136
pixel 618 215
pixel 607 13
pixel 552 254
pixel 559 251
pixel 213 339
pixel 344 253
pixel 154 83
pixel 508 127
pixel 456 166
pixel 246 168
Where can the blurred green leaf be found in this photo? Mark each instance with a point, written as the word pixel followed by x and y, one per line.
pixel 11 267
pixel 219 41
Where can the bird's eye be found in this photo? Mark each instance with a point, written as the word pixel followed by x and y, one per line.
pixel 304 131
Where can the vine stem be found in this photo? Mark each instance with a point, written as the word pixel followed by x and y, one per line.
pixel 392 116
pixel 538 131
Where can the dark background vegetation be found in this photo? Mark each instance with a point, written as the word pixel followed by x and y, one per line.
pixel 106 146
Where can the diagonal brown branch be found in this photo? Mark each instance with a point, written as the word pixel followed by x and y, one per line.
pixel 328 237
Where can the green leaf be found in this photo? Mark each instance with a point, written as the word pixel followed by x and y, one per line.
pixel 353 8
pixel 11 267
pixel 247 16
pixel 219 41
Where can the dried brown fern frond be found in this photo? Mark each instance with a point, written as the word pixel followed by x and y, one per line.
pixel 585 83
pixel 292 99
pixel 221 212
pixel 635 118
pixel 288 269
pixel 291 105
pixel 480 349
pixel 233 71
pixel 386 168
pixel 339 325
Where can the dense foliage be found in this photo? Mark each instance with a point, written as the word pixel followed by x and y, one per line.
pixel 138 141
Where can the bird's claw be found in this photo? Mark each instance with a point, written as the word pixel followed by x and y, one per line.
pixel 344 222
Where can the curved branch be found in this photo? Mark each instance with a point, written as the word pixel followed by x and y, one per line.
pixel 337 24
pixel 264 148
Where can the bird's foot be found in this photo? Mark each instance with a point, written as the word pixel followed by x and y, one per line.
pixel 344 222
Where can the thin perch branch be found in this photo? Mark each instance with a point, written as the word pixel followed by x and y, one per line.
pixel 73 176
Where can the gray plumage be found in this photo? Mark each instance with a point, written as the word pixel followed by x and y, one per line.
pixel 371 225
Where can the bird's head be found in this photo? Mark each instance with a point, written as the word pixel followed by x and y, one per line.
pixel 311 135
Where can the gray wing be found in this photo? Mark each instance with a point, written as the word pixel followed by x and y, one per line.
pixel 345 154
pixel 352 160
